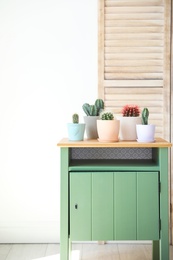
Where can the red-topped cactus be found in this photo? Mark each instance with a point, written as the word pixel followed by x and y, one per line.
pixel 131 111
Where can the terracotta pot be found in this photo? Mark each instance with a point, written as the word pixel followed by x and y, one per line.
pixel 108 130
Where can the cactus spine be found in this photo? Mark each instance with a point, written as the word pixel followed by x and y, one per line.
pixel 145 115
pixel 107 116
pixel 75 118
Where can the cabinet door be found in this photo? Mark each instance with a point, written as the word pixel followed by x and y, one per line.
pixel 125 205
pixel 148 206
pixel 80 206
pixel 102 206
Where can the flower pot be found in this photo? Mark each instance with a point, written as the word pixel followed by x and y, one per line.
pixel 145 133
pixel 108 130
pixel 76 131
pixel 128 127
pixel 91 126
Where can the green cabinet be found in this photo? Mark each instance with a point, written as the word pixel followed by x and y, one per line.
pixel 114 205
pixel 114 191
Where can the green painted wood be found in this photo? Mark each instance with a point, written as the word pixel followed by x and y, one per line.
pixel 147 206
pixel 164 204
pixel 80 206
pixel 145 189
pixel 125 206
pixel 102 206
pixel 113 165
pixel 64 233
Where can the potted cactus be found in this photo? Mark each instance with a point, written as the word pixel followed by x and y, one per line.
pixel 130 118
pixel 145 131
pixel 75 129
pixel 108 128
pixel 92 114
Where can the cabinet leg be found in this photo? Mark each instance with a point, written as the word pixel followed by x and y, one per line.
pixel 64 250
pixel 69 249
pixel 156 249
pixel 101 242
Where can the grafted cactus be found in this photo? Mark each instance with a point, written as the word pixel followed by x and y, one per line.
pixel 107 116
pixel 75 118
pixel 145 115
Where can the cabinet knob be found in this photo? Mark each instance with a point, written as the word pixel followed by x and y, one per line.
pixel 76 206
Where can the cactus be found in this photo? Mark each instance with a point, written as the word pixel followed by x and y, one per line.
pixel 99 103
pixel 107 116
pixel 145 115
pixel 131 110
pixel 93 110
pixel 75 118
pixel 86 109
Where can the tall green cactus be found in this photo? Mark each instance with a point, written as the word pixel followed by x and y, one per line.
pixel 99 103
pixel 86 109
pixel 145 115
pixel 75 118
pixel 93 110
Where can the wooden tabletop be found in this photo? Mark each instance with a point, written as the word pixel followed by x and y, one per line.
pixel 159 142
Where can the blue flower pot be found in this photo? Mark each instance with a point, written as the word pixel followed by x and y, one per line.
pixel 76 131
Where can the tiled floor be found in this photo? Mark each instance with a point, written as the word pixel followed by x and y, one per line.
pixel 86 251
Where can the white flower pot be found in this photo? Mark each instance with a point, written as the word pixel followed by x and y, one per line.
pixel 145 133
pixel 128 127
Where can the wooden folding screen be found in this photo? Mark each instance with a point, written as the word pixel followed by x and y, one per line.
pixel 134 57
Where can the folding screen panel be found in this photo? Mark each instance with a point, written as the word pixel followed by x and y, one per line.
pixel 134 57
pixel 134 43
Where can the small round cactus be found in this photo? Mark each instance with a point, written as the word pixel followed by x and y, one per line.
pixel 131 110
pixel 107 116
pixel 145 115
pixel 75 118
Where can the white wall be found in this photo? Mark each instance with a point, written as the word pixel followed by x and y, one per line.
pixel 48 69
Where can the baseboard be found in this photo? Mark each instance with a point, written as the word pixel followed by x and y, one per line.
pixel 29 232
